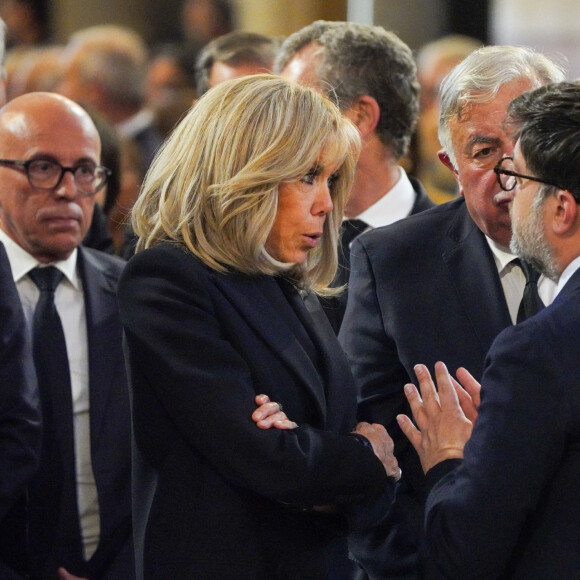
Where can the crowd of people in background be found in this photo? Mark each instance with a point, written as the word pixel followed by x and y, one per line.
pixel 228 266
pixel 137 93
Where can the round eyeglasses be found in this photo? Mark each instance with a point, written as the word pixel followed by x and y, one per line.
pixel 47 174
pixel 507 178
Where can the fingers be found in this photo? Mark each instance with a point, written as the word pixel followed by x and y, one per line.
pixel 410 431
pixel 278 420
pixel 470 385
pixel 428 391
pixel 269 414
pixel 447 393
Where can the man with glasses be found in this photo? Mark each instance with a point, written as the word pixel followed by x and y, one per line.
pixel 440 285
pixel 506 505
pixel 79 517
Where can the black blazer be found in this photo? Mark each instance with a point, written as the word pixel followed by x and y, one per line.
pixel 511 510
pixel 232 500
pixel 109 422
pixel 335 306
pixel 421 290
pixel 19 424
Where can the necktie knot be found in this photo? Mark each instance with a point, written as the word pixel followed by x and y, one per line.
pixel 46 279
pixel 532 275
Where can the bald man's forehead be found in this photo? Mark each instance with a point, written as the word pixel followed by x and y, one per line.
pixel 58 131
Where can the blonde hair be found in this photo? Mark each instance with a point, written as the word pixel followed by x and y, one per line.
pixel 213 186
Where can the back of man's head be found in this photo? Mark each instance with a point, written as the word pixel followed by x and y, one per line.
pixel 113 57
pixel 235 49
pixel 355 60
pixel 480 76
pixel 547 122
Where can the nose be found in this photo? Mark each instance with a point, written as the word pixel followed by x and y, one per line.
pixel 67 186
pixel 323 204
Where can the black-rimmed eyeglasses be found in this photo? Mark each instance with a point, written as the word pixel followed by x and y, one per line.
pixel 47 174
pixel 507 178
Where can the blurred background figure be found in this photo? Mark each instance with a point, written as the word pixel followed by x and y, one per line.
pixel 204 20
pixel 234 55
pixel 169 86
pixel 27 22
pixel 104 69
pixel 33 69
pixel 434 61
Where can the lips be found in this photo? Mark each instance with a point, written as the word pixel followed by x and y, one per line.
pixel 312 239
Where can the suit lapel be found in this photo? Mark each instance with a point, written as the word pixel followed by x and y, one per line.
pixel 103 326
pixel 257 299
pixel 481 296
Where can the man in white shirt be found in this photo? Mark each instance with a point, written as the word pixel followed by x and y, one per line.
pixel 49 171
pixel 371 75
pixel 505 504
pixel 440 285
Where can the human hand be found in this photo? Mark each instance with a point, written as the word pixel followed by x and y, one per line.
pixel 65 575
pixel 383 447
pixel 443 427
pixel 468 393
pixel 269 414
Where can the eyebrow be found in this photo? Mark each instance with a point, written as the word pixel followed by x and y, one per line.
pixel 479 140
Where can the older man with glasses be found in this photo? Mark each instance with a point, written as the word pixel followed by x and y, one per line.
pixel 79 516
pixel 505 504
pixel 440 285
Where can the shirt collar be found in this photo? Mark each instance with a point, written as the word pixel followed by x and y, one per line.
pixel 21 262
pixel 567 274
pixel 395 205
pixel 501 254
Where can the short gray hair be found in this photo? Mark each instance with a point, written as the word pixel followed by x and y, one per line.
pixel 356 60
pixel 481 75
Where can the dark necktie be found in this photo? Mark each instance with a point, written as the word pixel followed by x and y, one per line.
pixel 349 230
pixel 531 302
pixel 54 526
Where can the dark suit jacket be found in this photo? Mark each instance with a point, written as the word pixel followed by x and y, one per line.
pixel 19 423
pixel 231 500
pixel 421 290
pixel 109 422
pixel 511 509
pixel 335 306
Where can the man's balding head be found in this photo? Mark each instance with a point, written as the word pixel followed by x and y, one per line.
pixel 47 223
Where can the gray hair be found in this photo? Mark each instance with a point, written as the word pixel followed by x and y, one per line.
pixel 356 60
pixel 480 76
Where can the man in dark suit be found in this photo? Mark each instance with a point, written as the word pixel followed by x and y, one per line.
pixel 19 425
pixel 371 75
pixel 506 506
pixel 440 285
pixel 19 410
pixel 49 170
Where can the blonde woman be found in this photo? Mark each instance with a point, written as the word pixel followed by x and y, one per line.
pixel 237 224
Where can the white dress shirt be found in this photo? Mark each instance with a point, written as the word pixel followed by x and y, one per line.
pixel 513 280
pixel 395 205
pixel 70 304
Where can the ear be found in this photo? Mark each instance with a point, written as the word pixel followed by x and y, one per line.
pixel 565 213
pixel 365 114
pixel 444 158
